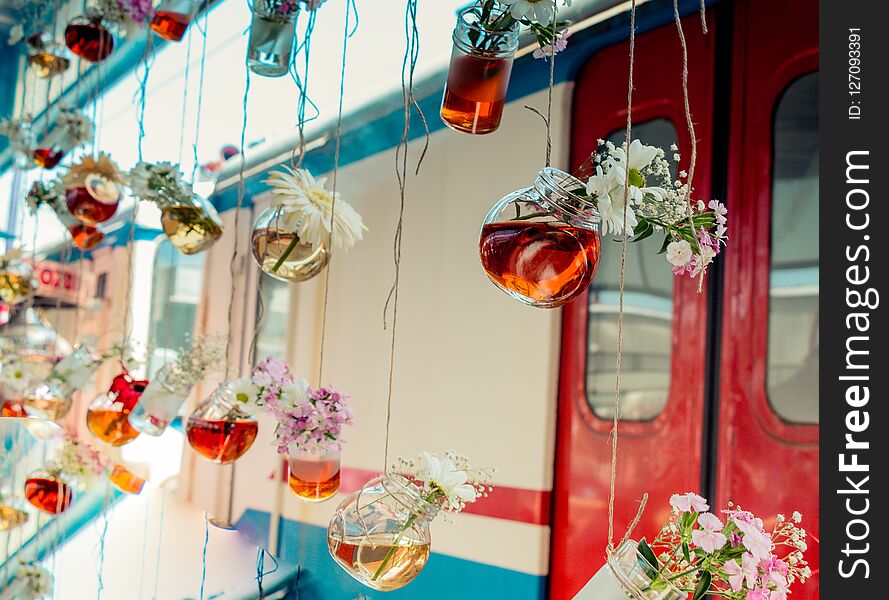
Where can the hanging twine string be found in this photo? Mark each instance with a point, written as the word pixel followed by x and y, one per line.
pixel 261 553
pixel 703 11
pixel 185 95
pixel 101 584
pixel 347 33
pixel 408 68
pixel 197 125
pixel 204 555
pixel 160 539
pixel 549 98
pixel 304 49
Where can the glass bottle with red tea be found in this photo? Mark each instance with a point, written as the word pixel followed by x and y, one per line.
pixel 48 492
pixel 88 37
pixel 478 77
pixel 220 429
pixel 92 190
pixel 108 414
pixel 72 128
pixel 172 18
pixel 541 245
pixel 314 477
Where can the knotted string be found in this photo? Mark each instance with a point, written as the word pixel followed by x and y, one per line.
pixel 260 569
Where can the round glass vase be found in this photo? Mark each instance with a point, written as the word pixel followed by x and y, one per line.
pixel 94 200
pixel 17 281
pixel 380 534
pixel 85 236
pixel 160 402
pixel 11 516
pixel 219 430
pixel 626 574
pixel 271 39
pixel 48 492
pixel 53 148
pixel 108 414
pixel 172 18
pixel 541 245
pixel 46 57
pixel 46 401
pixel 190 223
pixel 87 37
pixel 314 477
pixel 22 141
pixel 478 76
pixel 281 254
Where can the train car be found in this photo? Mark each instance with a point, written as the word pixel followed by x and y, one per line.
pixel 719 387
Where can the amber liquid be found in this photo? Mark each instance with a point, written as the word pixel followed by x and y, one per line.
pixel 111 426
pixel 170 25
pixel 49 408
pixel 363 556
pixel 46 64
pixel 221 441
pixel 475 93
pixel 544 264
pixel 49 495
pixel 189 229
pixel 89 40
pixel 47 158
pixel 11 517
pixel 87 208
pixel 86 237
pixel 13 409
pixel 125 480
pixel 302 262
pixel 314 480
pixel 15 289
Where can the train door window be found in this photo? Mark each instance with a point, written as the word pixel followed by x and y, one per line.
pixel 275 311
pixel 648 315
pixel 793 285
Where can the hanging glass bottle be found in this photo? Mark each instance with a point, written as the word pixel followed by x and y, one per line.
pixel 92 189
pixel 191 223
pixel 11 516
pixel 20 133
pixel 85 236
pixel 172 18
pixel 626 575
pixel 272 32
pixel 72 128
pixel 380 534
pixel 46 56
pixel 107 415
pixel 125 481
pixel 48 492
pixel 17 281
pixel 46 401
pixel 481 63
pixel 29 339
pixel 541 245
pixel 160 402
pixel 281 253
pixel 219 429
pixel 314 477
pixel 88 37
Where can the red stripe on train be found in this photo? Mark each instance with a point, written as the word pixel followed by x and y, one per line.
pixel 509 503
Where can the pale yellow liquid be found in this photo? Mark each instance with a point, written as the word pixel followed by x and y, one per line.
pixel 15 289
pixel 50 408
pixel 189 229
pixel 362 556
pixel 304 261
pixel 11 517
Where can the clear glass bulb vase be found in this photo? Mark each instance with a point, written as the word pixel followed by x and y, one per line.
pixel 160 402
pixel 191 224
pixel 272 34
pixel 17 281
pixel 626 574
pixel 279 251
pixel 314 477
pixel 219 430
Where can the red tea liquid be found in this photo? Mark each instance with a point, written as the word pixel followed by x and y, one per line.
pixel 170 25
pixel 86 237
pixel 13 409
pixel 49 495
pixel 47 158
pixel 89 40
pixel 110 426
pixel 475 93
pixel 314 480
pixel 221 441
pixel 546 263
pixel 87 208
pixel 125 480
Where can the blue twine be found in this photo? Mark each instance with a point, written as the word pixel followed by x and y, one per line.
pixel 185 96
pixel 101 585
pixel 197 125
pixel 204 554
pixel 260 569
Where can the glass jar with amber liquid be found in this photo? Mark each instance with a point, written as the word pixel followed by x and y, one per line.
pixel 53 148
pixel 191 223
pixel 314 477
pixel 541 245
pixel 48 492
pixel 108 414
pixel 172 18
pixel 478 76
pixel 47 401
pixel 93 199
pixel 18 283
pixel 46 57
pixel 380 534
pixel 89 38
pixel 11 516
pixel 125 481
pixel 279 251
pixel 219 429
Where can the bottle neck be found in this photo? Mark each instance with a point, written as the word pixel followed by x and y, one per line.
pixel 410 496
pixel 472 38
pixel 564 194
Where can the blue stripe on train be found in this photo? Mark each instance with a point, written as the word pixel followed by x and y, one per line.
pixel 445 577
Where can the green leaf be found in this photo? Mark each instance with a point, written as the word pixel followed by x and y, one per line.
pixel 650 563
pixel 643 229
pixel 667 240
pixel 703 586
pixel 686 553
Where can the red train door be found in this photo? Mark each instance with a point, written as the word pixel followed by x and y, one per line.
pixel 664 324
pixel 768 399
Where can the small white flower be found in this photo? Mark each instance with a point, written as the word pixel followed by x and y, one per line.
pixel 243 391
pixel 294 394
pixel 679 253
pixel 539 11
pixel 796 517
pixel 441 474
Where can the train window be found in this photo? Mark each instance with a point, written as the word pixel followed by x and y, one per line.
pixel 792 378
pixel 648 315
pixel 176 292
pixel 273 330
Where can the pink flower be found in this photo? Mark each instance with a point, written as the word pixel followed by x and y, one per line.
pixel 758 543
pixel 689 502
pixel 746 572
pixel 758 594
pixel 780 592
pixel 709 537
pixel 553 49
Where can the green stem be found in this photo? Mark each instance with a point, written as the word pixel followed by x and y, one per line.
pixel 394 547
pixel 293 243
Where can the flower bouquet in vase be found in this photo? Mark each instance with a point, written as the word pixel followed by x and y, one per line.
pixel 291 238
pixel 108 414
pixel 72 128
pixel 51 399
pixel 92 189
pixel 46 57
pixel 731 555
pixel 189 221
pixel 170 387
pixel 18 283
pixel 31 581
pixel 223 427
pixel 20 133
pixel 74 465
pixel 84 235
pixel 380 534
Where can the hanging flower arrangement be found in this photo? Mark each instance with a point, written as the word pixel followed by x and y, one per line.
pixel 485 42
pixel 127 13
pixel 164 396
pixel 17 281
pixel 92 189
pixel 31 581
pixel 107 415
pixel 20 133
pixel 730 555
pixel 72 128
pixel 85 236
pixel 190 222
pixel 291 237
pixel 223 427
pixel 380 534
